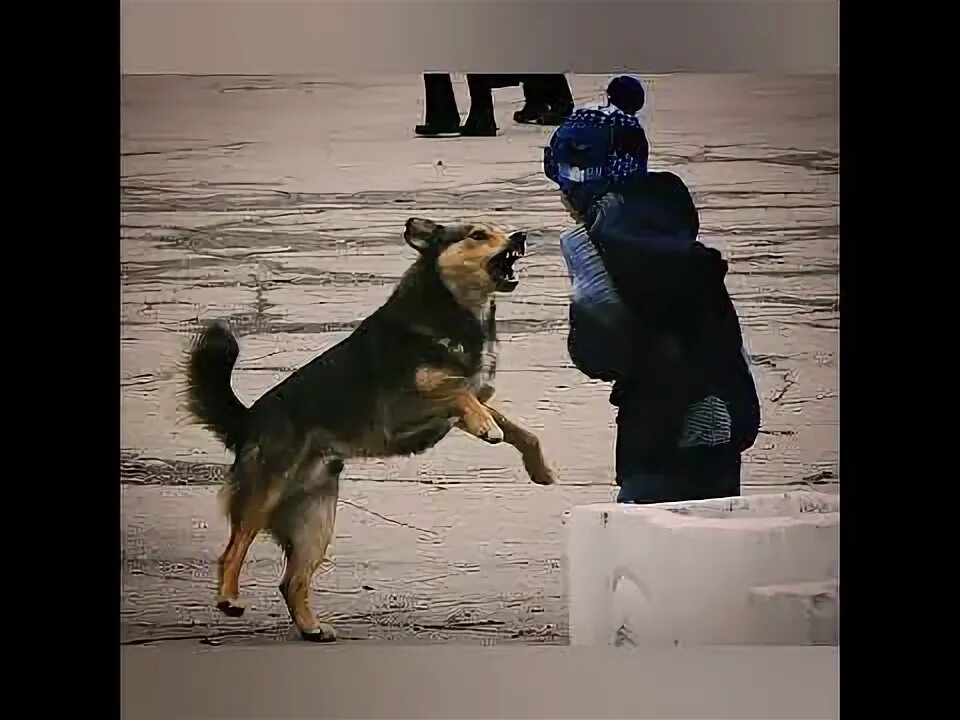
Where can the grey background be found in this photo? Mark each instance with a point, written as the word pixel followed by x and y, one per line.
pixel 585 36
pixel 448 682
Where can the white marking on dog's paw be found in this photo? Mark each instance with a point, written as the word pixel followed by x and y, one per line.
pixel 493 434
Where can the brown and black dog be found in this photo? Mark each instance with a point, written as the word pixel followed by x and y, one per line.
pixel 408 374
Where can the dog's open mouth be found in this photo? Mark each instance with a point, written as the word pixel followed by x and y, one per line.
pixel 501 265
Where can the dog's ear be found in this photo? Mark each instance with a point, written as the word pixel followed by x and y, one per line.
pixel 421 234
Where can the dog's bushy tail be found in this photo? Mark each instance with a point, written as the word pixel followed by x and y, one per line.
pixel 210 396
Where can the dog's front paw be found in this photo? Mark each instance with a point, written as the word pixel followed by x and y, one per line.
pixel 483 426
pixel 537 469
pixel 322 633
pixel 491 433
pixel 543 476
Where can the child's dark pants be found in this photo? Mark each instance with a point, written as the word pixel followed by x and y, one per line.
pixel 694 473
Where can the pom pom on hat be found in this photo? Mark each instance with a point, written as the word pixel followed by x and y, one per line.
pixel 600 147
pixel 626 93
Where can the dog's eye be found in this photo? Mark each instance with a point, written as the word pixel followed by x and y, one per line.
pixel 478 235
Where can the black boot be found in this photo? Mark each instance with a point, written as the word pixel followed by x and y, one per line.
pixel 548 100
pixel 559 100
pixel 534 100
pixel 480 121
pixel 442 116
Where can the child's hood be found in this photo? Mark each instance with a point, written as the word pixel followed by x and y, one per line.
pixel 647 234
pixel 656 210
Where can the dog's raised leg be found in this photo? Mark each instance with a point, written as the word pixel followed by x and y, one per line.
pixel 520 438
pixel 305 530
pixel 471 414
pixel 476 419
pixel 528 445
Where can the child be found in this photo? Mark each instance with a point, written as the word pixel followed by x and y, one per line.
pixel 649 310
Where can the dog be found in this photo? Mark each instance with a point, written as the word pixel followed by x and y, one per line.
pixel 412 371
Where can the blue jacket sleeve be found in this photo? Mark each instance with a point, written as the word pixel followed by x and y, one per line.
pixel 599 342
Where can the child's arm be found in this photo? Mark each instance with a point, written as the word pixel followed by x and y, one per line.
pixel 599 342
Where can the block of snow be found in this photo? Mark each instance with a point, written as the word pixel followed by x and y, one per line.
pixel 730 571
pixel 805 613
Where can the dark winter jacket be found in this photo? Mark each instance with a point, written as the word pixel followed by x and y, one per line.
pixel 650 312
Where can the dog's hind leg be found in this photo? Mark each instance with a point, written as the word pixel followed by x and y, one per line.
pixel 249 514
pixel 228 590
pixel 231 562
pixel 304 528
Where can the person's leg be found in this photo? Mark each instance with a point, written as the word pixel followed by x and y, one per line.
pixel 695 473
pixel 502 80
pixel 710 472
pixel 534 100
pixel 559 99
pixel 639 488
pixel 441 116
pixel 548 100
pixel 480 120
pixel 645 474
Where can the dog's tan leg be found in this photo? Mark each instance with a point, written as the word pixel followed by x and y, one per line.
pixel 254 519
pixel 231 562
pixel 471 414
pixel 528 445
pixel 304 527
pixel 306 550
pixel 477 420
pixel 227 597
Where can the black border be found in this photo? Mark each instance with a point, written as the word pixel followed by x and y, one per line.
pixel 864 402
pixel 77 363
pixel 62 398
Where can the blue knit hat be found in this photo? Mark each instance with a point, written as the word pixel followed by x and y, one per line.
pixel 601 146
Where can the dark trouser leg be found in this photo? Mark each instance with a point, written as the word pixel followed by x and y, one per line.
pixel 502 80
pixel 560 96
pixel 534 99
pixel 441 115
pixel 480 121
pixel 548 100
pixel 559 99
pixel 696 473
